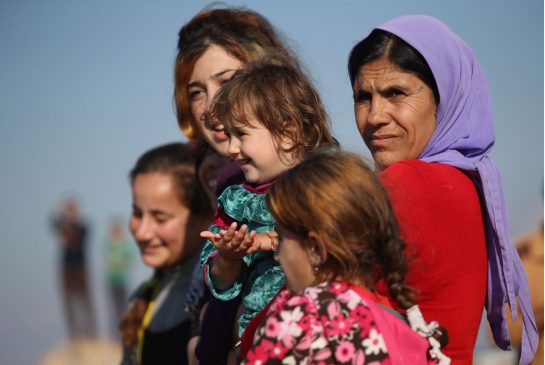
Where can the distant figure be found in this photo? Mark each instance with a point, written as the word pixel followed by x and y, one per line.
pixel 72 233
pixel 118 258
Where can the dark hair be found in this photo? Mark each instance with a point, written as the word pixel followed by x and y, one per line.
pixel 381 44
pixel 242 33
pixel 281 98
pixel 354 217
pixel 178 161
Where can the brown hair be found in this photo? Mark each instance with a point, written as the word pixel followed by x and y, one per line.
pixel 338 196
pixel 281 98
pixel 244 34
pixel 178 161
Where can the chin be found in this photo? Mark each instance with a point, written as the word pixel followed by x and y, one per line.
pixel 153 261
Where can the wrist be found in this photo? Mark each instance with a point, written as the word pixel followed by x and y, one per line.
pixel 228 259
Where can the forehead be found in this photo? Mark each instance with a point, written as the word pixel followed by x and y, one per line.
pixel 382 73
pixel 241 116
pixel 214 60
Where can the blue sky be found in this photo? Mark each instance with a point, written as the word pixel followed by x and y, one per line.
pixel 86 87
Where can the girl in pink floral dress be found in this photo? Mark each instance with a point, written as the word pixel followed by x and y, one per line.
pixel 337 236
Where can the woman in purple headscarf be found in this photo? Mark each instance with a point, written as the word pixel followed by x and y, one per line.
pixel 423 108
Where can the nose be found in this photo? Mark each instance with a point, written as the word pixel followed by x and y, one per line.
pixel 210 94
pixel 377 112
pixel 234 146
pixel 207 107
pixel 142 229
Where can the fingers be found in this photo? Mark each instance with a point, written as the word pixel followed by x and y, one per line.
pixel 207 234
pixel 230 233
pixel 274 239
pixel 239 236
pixel 248 240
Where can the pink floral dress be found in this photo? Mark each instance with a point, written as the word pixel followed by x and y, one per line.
pixel 327 324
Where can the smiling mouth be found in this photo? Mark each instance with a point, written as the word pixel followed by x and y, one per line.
pixel 218 128
pixel 243 161
pixel 214 125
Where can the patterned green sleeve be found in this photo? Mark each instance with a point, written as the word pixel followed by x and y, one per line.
pixel 266 279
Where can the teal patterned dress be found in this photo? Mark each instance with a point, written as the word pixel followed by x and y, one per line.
pixel 261 277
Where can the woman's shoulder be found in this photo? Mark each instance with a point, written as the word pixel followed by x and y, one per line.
pixel 420 170
pixel 328 301
pixel 417 177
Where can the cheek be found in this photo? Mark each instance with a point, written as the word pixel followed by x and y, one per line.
pixel 175 237
pixel 361 117
pixel 197 109
pixel 422 123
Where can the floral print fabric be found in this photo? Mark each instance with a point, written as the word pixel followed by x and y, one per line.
pixel 327 324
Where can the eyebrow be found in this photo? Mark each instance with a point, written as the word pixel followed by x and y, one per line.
pixel 214 76
pixel 160 212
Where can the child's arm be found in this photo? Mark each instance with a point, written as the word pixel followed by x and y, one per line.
pixel 232 246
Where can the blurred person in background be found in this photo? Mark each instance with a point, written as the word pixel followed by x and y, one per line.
pixel 118 257
pixel 169 210
pixel 72 234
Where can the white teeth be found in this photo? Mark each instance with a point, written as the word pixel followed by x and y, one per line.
pixel 219 127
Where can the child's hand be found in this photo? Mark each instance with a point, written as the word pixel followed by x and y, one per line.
pixel 267 241
pixel 232 244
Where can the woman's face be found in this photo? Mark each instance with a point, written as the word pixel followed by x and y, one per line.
pixel 395 112
pixel 210 72
pixel 159 221
pixel 295 261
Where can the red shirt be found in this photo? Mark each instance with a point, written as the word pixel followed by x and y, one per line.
pixel 440 217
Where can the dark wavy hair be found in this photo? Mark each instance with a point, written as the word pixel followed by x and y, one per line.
pixel 381 44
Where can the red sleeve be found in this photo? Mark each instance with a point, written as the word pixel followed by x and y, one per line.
pixel 439 214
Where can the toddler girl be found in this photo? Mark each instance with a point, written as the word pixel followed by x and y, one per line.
pixel 274 118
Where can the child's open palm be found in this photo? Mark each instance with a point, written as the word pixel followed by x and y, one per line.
pixel 232 244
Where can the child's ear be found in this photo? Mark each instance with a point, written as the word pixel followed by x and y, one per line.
pixel 317 245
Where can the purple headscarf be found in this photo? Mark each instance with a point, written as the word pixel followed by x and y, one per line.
pixel 463 137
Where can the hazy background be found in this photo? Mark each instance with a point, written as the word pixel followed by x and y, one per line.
pixel 86 87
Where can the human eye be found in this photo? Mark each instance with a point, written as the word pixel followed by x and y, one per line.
pixel 239 133
pixel 195 94
pixel 136 212
pixel 161 217
pixel 361 97
pixel 394 92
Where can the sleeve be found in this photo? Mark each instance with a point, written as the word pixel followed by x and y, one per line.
pixel 262 290
pixel 208 252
